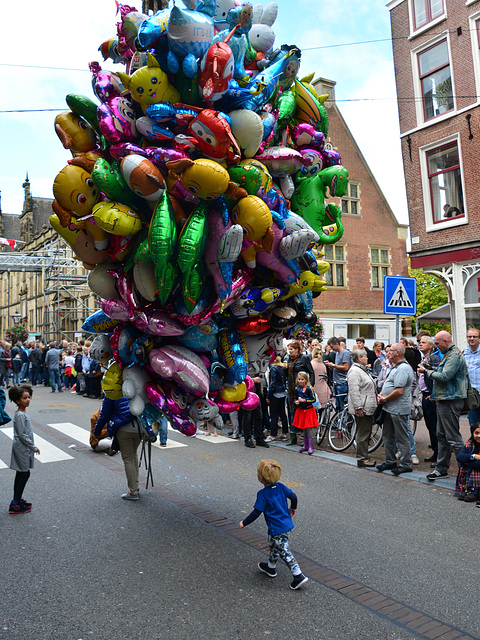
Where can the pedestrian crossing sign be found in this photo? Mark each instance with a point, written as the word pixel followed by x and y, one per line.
pixel 400 295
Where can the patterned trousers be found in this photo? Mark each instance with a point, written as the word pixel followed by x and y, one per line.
pixel 279 548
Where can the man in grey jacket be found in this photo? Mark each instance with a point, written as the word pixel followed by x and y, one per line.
pixel 396 397
pixel 52 362
pixel 449 392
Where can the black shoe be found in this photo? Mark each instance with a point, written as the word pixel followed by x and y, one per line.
pixel 19 508
pixel 435 475
pixel 432 458
pixel 398 470
pixel 262 443
pixel 470 497
pixel 26 504
pixel 249 443
pixel 385 467
pixel 264 568
pixel 298 581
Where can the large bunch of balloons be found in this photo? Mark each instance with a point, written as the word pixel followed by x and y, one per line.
pixel 196 198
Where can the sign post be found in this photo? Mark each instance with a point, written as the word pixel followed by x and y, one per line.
pixel 399 298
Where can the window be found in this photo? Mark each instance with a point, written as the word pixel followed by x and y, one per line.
pixel 336 276
pixel 424 11
pixel 445 181
pixel 351 199
pixel 380 264
pixel 435 80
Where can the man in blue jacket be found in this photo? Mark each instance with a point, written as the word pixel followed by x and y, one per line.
pixel 449 392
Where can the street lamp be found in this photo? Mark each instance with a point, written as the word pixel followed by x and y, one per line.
pixel 16 317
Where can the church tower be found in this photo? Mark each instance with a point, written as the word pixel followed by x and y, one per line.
pixel 26 217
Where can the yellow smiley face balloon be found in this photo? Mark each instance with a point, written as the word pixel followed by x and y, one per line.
pixel 112 382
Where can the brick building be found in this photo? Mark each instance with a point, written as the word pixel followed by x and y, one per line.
pixel 437 68
pixel 373 245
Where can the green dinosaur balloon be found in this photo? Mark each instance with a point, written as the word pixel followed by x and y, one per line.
pixel 191 246
pixel 309 201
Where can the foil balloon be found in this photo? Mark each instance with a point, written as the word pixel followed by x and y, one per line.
pixel 223 248
pixel 99 322
pixel 143 177
pixel 233 351
pixel 103 283
pixel 216 72
pixel 162 239
pixel 190 34
pixel 112 382
pixel 116 120
pixel 81 242
pixel 253 215
pixel 75 133
pixel 181 365
pixel 100 349
pixel 149 85
pixel 117 218
pixel 134 380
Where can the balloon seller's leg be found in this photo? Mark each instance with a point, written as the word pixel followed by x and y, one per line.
pixel 128 443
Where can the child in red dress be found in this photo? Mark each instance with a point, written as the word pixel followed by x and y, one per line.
pixel 305 415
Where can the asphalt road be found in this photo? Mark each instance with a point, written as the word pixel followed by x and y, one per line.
pixel 86 564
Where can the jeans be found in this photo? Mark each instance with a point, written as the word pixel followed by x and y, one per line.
pixel 474 416
pixel 36 374
pixel 430 416
pixel 80 388
pixel 162 430
pixel 339 389
pixel 395 429
pixel 448 431
pixel 55 379
pixel 16 378
pixel 24 371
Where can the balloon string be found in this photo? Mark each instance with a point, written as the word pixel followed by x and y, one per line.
pixel 194 486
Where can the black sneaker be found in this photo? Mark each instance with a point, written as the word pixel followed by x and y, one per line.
pixel 264 568
pixel 298 581
pixel 25 503
pixel 435 475
pixel 249 443
pixel 385 467
pixel 398 470
pixel 262 443
pixel 19 508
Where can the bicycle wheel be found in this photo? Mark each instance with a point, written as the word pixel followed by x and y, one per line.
pixel 341 432
pixel 376 438
pixel 324 417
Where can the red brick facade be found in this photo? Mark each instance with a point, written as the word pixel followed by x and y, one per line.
pixel 456 27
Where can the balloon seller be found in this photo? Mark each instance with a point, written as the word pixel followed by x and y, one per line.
pixel 196 198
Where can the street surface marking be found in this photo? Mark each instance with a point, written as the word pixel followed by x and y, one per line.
pixel 3 465
pixel 215 439
pixel 48 452
pixel 72 431
pixel 171 444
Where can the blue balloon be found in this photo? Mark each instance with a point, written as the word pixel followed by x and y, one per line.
pixel 98 322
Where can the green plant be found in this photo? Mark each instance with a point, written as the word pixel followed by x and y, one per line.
pixel 15 334
pixel 431 293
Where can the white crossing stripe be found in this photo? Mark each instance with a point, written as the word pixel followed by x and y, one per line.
pixel 48 452
pixel 214 439
pixel 171 444
pixel 3 465
pixel 72 431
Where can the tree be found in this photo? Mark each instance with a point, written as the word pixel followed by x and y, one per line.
pixel 431 293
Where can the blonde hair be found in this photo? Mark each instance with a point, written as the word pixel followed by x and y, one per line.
pixel 305 375
pixel 269 470
pixel 278 362
pixel 317 352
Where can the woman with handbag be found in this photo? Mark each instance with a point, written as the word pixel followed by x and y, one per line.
pixel 362 402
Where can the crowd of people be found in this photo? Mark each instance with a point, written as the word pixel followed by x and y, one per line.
pixel 391 384
pixel 66 366
pixel 385 384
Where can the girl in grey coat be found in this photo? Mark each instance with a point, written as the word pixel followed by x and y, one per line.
pixel 23 447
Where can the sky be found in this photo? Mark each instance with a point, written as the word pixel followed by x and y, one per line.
pixel 46 51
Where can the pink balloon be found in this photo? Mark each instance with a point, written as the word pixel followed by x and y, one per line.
pixel 249 383
pixel 161 324
pixel 182 365
pixel 225 406
pixel 251 401
pixel 116 309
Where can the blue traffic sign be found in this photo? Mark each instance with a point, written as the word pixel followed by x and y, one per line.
pixel 400 295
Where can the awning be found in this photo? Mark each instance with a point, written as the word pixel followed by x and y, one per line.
pixel 440 314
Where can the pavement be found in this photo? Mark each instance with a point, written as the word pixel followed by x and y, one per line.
pixel 387 558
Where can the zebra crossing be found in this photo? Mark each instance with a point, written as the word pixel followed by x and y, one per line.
pixel 52 453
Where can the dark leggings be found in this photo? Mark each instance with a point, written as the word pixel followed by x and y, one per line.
pixel 21 479
pixel 277 410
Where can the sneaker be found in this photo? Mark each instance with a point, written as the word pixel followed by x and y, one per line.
pixel 19 508
pixel 269 571
pixel 398 470
pixel 25 503
pixel 415 459
pixel 249 443
pixel 262 443
pixel 163 444
pixel 298 581
pixel 385 467
pixel 435 475
pixel 130 496
pixel 270 439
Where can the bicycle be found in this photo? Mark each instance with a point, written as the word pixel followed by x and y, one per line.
pixel 341 432
pixel 325 416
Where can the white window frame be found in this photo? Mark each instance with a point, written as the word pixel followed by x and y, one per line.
pixel 349 199
pixel 379 247
pixel 333 264
pixel 474 37
pixel 417 83
pixel 425 27
pixel 427 200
